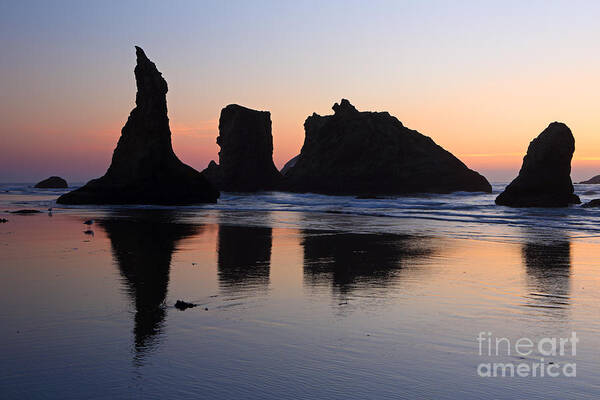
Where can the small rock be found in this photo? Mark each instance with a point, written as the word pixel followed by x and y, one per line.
pixel 593 203
pixel 183 305
pixel 89 222
pixel 54 182
pixel 3 220
pixel 89 232
pixel 288 165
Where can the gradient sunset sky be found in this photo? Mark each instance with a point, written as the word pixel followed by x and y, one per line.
pixel 481 78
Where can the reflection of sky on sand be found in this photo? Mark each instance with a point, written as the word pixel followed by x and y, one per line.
pixel 354 262
pixel 548 270
pixel 142 245
pixel 354 314
pixel 244 257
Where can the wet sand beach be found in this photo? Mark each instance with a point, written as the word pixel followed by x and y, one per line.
pixel 289 305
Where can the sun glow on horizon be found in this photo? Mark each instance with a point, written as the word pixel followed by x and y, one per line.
pixel 482 80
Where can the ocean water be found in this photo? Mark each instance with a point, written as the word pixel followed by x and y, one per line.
pixel 299 296
pixel 459 215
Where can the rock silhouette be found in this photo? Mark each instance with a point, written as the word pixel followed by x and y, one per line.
pixel 288 165
pixel 54 182
pixel 144 168
pixel 545 177
pixel 246 155
pixel 592 204
pixel 348 261
pixel 592 181
pixel 184 305
pixel 370 153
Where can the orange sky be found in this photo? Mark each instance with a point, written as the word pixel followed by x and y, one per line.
pixel 482 80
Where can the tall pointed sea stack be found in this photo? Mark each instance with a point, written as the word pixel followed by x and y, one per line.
pixel 144 168
pixel 545 177
pixel 371 153
pixel 246 155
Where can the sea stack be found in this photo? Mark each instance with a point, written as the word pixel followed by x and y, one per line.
pixel 246 155
pixel 54 182
pixel 144 168
pixel 545 177
pixel 372 153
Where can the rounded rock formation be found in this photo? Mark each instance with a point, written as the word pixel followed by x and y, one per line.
pixel 372 153
pixel 54 182
pixel 545 177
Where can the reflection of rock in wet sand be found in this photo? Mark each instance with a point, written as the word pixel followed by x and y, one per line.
pixel 142 245
pixel 548 267
pixel 244 257
pixel 351 261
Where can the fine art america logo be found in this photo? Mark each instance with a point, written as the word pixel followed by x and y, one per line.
pixel 543 356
